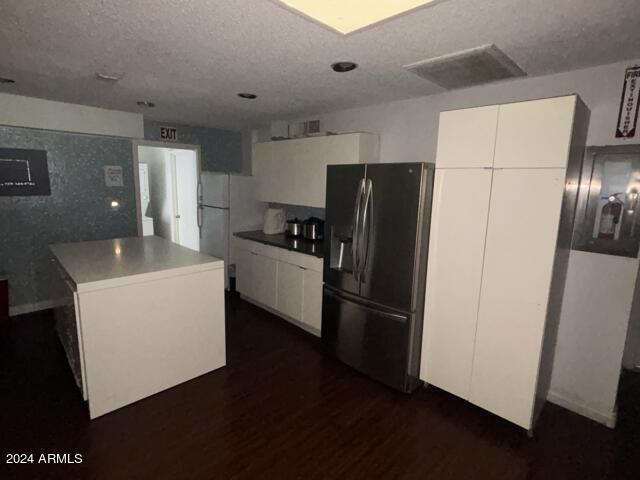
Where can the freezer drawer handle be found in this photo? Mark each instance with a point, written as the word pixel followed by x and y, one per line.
pixel 393 316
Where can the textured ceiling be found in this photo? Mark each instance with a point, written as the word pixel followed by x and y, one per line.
pixel 192 57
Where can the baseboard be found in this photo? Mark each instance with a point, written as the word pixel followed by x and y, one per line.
pixel 608 419
pixel 293 321
pixel 34 307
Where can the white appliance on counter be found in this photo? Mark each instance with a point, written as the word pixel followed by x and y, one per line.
pixel 226 203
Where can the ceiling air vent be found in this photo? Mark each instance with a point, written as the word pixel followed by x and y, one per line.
pixel 475 66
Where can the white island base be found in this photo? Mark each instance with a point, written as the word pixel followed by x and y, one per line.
pixel 146 315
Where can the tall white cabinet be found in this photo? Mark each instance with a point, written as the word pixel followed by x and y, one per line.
pixel 504 199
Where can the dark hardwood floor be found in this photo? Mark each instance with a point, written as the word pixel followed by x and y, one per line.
pixel 282 409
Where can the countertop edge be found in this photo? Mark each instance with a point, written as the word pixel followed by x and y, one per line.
pixel 244 236
pixel 85 287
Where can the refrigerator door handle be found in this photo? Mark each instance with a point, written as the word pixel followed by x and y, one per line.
pixel 200 206
pixel 356 237
pixel 366 225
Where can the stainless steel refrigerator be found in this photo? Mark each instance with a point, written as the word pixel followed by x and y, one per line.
pixel 377 229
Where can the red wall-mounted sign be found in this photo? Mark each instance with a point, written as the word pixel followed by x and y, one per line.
pixel 628 115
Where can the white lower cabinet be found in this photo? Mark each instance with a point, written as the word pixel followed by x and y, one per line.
pixel 288 283
pixel 244 272
pixel 290 290
pixel 312 299
pixel 516 281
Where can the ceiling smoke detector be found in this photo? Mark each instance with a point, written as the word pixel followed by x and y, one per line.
pixel 475 66
pixel 145 103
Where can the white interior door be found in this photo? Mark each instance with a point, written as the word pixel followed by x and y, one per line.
pixel 185 167
pixel 521 240
pixel 456 253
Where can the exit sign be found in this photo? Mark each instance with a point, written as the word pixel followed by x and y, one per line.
pixel 168 133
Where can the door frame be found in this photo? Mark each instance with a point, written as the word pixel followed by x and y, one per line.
pixel 158 144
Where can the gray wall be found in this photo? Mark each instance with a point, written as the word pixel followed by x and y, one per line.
pixel 299 211
pixel 78 208
pixel 220 150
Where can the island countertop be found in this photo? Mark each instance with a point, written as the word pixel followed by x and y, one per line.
pixel 108 263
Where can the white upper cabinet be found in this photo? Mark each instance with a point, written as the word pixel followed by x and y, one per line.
pixel 295 171
pixel 262 166
pixel 466 138
pixel 535 134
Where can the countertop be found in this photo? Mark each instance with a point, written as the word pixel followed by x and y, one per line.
pixel 281 240
pixel 110 263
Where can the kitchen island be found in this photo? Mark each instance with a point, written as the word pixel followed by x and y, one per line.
pixel 139 315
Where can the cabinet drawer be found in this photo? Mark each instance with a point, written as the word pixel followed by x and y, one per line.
pixel 241 244
pixel 305 261
pixel 265 250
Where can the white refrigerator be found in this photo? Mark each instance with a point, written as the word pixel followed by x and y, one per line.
pixel 226 204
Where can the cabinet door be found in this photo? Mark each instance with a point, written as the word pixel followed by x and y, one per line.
pixel 290 285
pixel 265 277
pixel 244 276
pixel 284 172
pixel 311 173
pixel 312 303
pixel 535 134
pixel 312 155
pixel 466 138
pixel 262 168
pixel 456 252
pixel 522 231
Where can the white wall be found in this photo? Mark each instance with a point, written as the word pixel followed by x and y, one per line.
pixel 409 128
pixel 19 111
pixel 591 335
pixel 408 131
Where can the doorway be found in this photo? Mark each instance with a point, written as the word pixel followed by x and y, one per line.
pixel 168 178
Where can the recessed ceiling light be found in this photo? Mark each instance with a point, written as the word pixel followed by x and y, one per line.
pixel 342 67
pixel 250 96
pixel 347 16
pixel 145 103
pixel 7 80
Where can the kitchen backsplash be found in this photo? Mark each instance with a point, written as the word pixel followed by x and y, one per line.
pixel 299 211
